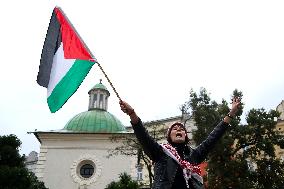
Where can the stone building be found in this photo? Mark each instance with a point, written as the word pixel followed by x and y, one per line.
pixel 76 156
pixel 280 128
pixel 31 161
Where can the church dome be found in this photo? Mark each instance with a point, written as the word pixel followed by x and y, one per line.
pixel 95 121
pixel 99 86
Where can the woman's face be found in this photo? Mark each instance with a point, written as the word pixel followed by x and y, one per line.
pixel 178 134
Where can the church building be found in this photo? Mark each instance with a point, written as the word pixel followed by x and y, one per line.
pixel 76 156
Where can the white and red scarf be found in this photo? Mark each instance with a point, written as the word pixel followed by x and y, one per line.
pixel 187 168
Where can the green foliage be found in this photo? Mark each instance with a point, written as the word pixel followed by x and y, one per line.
pixel 242 144
pixel 9 151
pixel 13 174
pixel 125 182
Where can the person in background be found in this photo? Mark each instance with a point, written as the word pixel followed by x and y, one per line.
pixel 176 163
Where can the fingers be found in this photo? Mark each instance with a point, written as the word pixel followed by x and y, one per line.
pixel 236 102
pixel 236 99
pixel 126 108
pixel 236 105
pixel 122 106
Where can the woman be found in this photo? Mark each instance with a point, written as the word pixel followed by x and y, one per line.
pixel 177 164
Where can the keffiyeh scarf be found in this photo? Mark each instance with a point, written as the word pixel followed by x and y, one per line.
pixel 188 169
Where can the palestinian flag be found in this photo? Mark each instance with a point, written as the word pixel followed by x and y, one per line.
pixel 65 61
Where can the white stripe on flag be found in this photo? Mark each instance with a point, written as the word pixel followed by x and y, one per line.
pixel 60 67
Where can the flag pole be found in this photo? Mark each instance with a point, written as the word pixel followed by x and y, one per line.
pixel 109 81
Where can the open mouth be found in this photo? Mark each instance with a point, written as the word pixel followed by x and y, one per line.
pixel 178 135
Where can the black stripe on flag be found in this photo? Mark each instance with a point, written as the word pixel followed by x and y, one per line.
pixel 51 44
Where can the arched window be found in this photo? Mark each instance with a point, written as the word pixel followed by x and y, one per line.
pixel 95 100
pixel 101 101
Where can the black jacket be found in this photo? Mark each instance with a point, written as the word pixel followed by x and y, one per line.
pixel 165 167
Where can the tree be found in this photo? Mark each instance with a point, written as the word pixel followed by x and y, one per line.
pixel 125 182
pixel 13 174
pixel 131 147
pixel 258 143
pixel 242 145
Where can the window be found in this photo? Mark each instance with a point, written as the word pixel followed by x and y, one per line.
pixel 86 170
pixel 95 100
pixel 101 101
pixel 139 173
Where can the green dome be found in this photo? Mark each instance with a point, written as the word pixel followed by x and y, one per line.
pixel 99 86
pixel 95 121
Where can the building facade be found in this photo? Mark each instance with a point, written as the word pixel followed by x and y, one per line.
pixel 280 128
pixel 77 155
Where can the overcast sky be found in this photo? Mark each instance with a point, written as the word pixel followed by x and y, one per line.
pixel 154 52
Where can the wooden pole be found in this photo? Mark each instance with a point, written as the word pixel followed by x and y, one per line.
pixel 109 81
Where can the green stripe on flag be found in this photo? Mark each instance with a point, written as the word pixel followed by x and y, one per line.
pixel 69 84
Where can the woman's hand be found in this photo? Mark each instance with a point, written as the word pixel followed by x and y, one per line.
pixel 126 108
pixel 236 104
